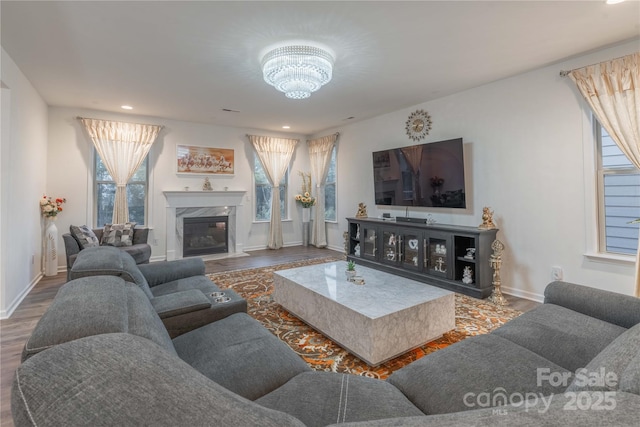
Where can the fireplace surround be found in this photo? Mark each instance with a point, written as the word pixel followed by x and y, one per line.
pixel 181 204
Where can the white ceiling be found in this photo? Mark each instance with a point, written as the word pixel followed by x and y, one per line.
pixel 187 60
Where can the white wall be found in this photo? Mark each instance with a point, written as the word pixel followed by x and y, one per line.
pixel 23 161
pixel 529 156
pixel 69 145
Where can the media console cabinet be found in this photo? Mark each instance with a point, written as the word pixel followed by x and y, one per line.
pixel 452 257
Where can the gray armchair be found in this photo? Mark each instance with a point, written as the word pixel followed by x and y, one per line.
pixel 139 250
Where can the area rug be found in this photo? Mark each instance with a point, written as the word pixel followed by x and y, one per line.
pixel 473 317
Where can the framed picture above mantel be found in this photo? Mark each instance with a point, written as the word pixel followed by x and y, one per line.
pixel 193 160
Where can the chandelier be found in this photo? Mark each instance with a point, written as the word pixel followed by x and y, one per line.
pixel 297 70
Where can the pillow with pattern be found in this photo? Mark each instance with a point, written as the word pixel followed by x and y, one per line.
pixel 85 236
pixel 118 234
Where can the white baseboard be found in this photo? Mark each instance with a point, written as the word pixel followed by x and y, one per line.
pixel 523 294
pixel 5 314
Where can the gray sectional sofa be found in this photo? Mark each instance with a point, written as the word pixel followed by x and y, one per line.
pixel 184 298
pixel 140 250
pixel 101 355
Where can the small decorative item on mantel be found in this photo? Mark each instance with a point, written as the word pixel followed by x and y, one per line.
pixel 50 209
pixel 496 261
pixel 487 219
pixel 206 186
pixel 362 211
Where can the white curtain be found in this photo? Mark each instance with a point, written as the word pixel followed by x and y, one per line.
pixel 122 148
pixel 275 155
pixel 612 89
pixel 320 157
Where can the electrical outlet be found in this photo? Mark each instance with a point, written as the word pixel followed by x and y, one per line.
pixel 155 242
pixel 33 259
pixel 556 273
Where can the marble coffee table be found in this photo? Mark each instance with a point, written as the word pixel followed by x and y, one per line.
pixel 377 321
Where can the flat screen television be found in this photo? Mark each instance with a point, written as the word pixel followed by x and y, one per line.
pixel 430 175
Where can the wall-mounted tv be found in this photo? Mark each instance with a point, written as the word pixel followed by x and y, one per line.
pixel 430 175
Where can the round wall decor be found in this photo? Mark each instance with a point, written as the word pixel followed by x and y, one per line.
pixel 418 125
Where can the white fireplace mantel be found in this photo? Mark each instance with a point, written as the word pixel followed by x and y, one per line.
pixel 201 199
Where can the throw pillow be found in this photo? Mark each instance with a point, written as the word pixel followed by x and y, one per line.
pixel 118 234
pixel 85 236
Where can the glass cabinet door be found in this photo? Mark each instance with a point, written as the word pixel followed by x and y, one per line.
pixel 390 252
pixel 368 242
pixel 436 259
pixel 410 244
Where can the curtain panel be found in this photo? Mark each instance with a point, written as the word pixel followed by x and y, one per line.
pixel 275 155
pixel 612 90
pixel 320 158
pixel 122 148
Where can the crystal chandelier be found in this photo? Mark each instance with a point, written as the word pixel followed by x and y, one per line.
pixel 297 70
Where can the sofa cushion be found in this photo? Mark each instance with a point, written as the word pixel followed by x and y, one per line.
pixel 93 306
pixel 202 283
pixel 321 398
pixel 85 237
pixel 238 353
pixel 553 411
pixel 611 307
pixel 616 367
pixel 182 321
pixel 143 320
pixel 124 380
pixel 110 261
pixel 565 337
pixel 454 378
pixel 118 234
pixel 141 253
pixel 168 271
pixel 180 303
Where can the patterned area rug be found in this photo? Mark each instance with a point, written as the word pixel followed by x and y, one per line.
pixel 473 317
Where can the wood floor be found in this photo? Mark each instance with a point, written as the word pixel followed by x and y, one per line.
pixel 15 330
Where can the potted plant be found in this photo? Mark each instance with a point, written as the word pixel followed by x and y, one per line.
pixel 351 270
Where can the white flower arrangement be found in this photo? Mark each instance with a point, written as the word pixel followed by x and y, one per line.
pixel 51 207
pixel 305 198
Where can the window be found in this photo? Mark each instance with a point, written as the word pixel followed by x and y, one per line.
pixel 330 190
pixel 263 192
pixel 105 191
pixel 619 197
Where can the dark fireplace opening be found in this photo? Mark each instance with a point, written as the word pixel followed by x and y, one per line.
pixel 205 235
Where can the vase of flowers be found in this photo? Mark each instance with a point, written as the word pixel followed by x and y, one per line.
pixel 304 198
pixel 306 201
pixel 50 208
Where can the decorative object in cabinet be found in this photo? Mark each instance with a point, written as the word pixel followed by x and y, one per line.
pixel 467 275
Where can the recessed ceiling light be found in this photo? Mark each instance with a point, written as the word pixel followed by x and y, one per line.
pixel 286 127
pixel 614 1
pixel 126 107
